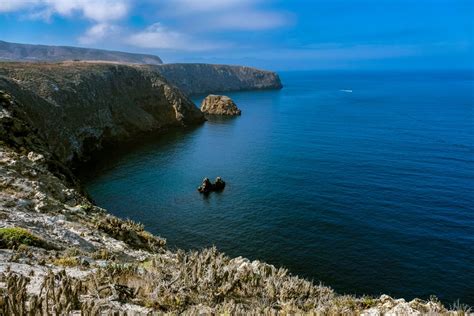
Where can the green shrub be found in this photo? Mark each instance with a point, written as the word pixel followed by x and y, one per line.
pixel 13 237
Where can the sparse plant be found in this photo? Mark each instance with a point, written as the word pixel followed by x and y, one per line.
pixel 102 254
pixel 461 309
pixel 130 232
pixel 67 261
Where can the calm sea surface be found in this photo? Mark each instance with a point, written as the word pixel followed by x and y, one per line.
pixel 364 181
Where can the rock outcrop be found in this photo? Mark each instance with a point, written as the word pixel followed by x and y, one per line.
pixel 28 52
pixel 77 107
pixel 207 78
pixel 219 105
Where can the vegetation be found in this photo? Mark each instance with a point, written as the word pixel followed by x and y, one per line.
pixel 200 282
pixel 13 237
pixel 59 295
pixel 130 232
pixel 67 261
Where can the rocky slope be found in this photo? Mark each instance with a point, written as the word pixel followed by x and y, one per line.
pixel 207 78
pixel 62 255
pixel 28 52
pixel 79 106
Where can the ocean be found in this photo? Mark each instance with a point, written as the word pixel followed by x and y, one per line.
pixel 363 181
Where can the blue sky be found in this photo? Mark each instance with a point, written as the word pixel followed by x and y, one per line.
pixel 274 34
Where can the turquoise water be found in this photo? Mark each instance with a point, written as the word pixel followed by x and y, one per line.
pixel 369 191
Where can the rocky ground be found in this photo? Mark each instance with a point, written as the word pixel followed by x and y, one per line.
pixel 61 255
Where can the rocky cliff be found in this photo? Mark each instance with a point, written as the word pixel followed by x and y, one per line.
pixel 62 255
pixel 207 78
pixel 79 106
pixel 28 52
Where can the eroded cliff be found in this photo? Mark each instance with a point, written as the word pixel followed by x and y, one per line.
pixel 79 106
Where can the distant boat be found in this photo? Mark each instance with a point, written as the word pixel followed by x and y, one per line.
pixel 348 91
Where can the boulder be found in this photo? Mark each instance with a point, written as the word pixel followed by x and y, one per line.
pixel 207 186
pixel 219 105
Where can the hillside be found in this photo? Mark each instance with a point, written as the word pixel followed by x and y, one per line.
pixel 28 52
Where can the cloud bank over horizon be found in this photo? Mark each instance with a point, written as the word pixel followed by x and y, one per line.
pixel 270 33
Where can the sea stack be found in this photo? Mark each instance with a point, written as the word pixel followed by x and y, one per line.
pixel 219 105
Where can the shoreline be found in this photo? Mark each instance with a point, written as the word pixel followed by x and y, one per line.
pixel 130 264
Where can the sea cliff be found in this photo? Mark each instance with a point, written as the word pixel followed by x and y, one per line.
pixel 79 106
pixel 207 78
pixel 62 254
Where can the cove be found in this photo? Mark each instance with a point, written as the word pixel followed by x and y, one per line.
pixel 361 180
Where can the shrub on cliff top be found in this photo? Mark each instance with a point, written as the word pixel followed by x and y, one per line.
pixel 130 232
pixel 13 237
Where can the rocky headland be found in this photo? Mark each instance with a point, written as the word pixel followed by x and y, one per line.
pixel 61 254
pixel 219 105
pixel 207 78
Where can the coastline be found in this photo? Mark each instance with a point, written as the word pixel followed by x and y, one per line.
pixel 87 242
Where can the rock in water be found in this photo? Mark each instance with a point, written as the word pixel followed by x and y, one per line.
pixel 207 186
pixel 219 105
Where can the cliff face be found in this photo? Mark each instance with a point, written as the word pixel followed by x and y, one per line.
pixel 28 52
pixel 78 106
pixel 205 78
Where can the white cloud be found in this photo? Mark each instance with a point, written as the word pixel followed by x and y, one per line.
pixel 98 33
pixel 196 6
pixel 158 36
pixel 15 5
pixel 250 20
pixel 96 10
pixel 225 14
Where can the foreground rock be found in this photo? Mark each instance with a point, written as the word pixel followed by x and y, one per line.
pixel 219 105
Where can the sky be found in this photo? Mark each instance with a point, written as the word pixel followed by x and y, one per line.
pixel 271 34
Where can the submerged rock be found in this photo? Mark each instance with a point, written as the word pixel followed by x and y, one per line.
pixel 219 105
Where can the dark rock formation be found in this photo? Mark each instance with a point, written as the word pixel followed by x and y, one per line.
pixel 77 107
pixel 28 52
pixel 219 105
pixel 207 186
pixel 206 78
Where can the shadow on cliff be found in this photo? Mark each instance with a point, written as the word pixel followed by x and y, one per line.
pixel 112 152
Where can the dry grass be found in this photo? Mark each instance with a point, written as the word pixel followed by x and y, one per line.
pixel 196 282
pixel 131 233
pixel 59 295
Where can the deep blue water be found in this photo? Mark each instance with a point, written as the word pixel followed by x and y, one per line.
pixel 369 191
